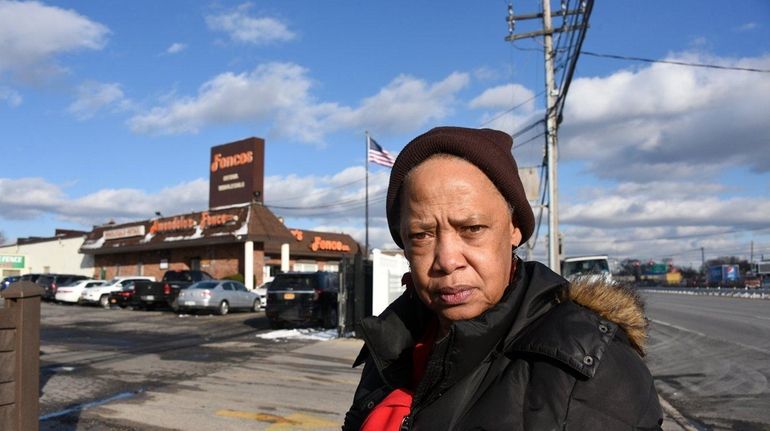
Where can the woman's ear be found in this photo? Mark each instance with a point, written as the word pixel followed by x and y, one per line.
pixel 515 235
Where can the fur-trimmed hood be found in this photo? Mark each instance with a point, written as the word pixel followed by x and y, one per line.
pixel 616 303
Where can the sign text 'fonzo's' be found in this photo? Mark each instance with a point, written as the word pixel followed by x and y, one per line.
pixel 236 172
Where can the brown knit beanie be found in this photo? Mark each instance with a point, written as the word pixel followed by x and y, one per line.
pixel 489 150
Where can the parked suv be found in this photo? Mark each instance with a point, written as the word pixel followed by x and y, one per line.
pixel 303 298
pixel 101 294
pixel 51 282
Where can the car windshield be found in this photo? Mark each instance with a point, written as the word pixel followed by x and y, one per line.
pixel 592 266
pixel 295 281
pixel 204 285
pixel 177 276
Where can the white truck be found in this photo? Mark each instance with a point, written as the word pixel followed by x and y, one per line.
pixel 590 266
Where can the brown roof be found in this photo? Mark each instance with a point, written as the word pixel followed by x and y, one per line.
pixel 235 224
pixel 60 234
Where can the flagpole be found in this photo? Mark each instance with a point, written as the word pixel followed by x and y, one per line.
pixel 366 216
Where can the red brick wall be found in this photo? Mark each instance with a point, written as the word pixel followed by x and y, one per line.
pixel 219 261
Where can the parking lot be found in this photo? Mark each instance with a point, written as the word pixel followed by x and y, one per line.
pixel 117 369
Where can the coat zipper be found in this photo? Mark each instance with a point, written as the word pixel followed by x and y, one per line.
pixel 406 423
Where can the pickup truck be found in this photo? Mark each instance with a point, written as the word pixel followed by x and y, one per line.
pixel 164 292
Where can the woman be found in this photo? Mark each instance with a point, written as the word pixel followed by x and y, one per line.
pixel 481 340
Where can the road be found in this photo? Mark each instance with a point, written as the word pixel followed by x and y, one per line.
pixel 710 357
pixel 91 358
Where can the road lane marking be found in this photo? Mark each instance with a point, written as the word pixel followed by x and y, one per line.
pixel 292 421
pixel 88 405
pixel 745 346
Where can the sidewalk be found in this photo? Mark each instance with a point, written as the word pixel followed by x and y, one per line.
pixel 309 388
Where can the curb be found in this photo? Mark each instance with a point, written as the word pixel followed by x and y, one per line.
pixel 677 417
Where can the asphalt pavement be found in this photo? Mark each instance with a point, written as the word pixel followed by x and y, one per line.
pixel 307 388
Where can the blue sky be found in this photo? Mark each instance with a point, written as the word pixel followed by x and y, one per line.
pixel 108 110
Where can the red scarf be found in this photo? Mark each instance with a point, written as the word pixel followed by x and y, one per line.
pixel 390 412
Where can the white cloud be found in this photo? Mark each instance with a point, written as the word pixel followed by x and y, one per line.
pixel 10 96
pixel 176 48
pixel 95 96
pixel 333 202
pixel 27 51
pixel 505 97
pixel 619 210
pixel 241 27
pixel 30 198
pixel 748 26
pixel 670 120
pixel 278 94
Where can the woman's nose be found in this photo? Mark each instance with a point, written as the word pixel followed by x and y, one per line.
pixel 448 255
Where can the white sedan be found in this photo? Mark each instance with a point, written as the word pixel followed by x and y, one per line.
pixel 72 292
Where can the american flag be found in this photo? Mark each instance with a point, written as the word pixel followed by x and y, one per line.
pixel 380 156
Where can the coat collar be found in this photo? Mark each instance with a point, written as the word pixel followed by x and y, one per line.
pixel 390 336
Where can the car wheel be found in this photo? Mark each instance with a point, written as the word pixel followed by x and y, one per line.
pixel 104 301
pixel 255 307
pixel 330 319
pixel 224 308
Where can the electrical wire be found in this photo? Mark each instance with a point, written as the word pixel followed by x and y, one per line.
pixel 507 111
pixel 677 63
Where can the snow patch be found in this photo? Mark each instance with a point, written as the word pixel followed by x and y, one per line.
pixel 300 334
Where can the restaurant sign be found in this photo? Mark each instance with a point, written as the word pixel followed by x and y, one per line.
pixel 320 244
pixel 236 172
pixel 14 262
pixel 205 221
pixel 124 232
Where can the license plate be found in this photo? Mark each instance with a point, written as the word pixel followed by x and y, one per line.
pixel 113 300
pixel 288 296
pixel 149 297
pixel 189 303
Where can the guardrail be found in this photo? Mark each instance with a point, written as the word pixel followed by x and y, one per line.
pixel 20 357
pixel 736 292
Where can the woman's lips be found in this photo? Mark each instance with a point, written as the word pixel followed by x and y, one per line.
pixel 455 296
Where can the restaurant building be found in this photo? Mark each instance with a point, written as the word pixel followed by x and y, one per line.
pixel 236 235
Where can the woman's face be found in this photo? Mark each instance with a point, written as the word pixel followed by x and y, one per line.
pixel 458 233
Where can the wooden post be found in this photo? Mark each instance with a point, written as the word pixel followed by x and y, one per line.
pixel 20 357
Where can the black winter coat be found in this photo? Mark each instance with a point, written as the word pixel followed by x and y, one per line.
pixel 548 356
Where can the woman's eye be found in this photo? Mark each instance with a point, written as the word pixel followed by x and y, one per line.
pixel 418 235
pixel 477 228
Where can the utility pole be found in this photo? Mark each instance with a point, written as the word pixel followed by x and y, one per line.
pixel 703 260
pixel 551 113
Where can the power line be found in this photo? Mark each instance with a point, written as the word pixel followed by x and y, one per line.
pixel 511 109
pixel 521 144
pixel 678 63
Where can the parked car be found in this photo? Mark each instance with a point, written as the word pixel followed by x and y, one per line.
pixel 262 292
pixel 220 296
pixel 126 297
pixel 8 280
pixel 165 292
pixel 303 298
pixel 73 291
pixel 101 294
pixel 30 277
pixel 51 282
